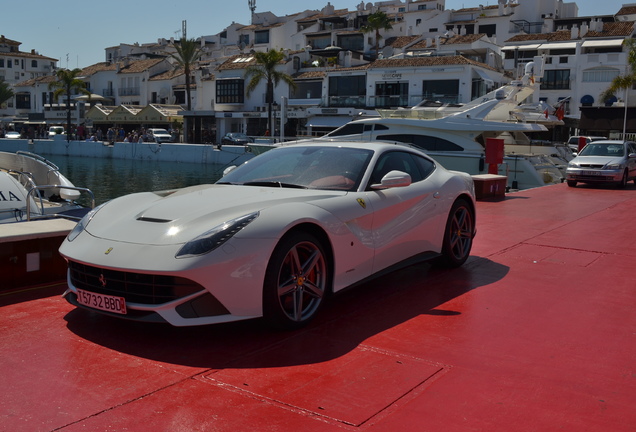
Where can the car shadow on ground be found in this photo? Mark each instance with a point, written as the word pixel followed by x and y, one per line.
pixel 345 322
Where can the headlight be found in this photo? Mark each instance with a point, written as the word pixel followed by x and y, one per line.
pixel 214 238
pixel 614 166
pixel 83 223
pixel 573 165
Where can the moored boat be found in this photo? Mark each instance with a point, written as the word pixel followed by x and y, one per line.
pixel 33 187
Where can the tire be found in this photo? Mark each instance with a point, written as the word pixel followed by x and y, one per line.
pixel 623 182
pixel 458 235
pixel 296 281
pixel 572 183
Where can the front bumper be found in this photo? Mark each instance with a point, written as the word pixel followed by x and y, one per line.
pixel 594 175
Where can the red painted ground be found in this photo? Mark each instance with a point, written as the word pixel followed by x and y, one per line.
pixel 536 333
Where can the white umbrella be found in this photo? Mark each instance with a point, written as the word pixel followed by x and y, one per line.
pixel 92 97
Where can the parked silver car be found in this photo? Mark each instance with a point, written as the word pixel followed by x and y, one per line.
pixel 605 161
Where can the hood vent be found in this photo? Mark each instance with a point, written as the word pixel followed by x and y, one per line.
pixel 153 220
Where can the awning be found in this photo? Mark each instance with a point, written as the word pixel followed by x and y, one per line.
pixel 562 45
pixel 484 76
pixel 602 43
pixel 328 121
pixel 521 47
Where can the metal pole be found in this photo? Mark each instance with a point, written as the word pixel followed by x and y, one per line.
pixel 283 117
pixel 625 117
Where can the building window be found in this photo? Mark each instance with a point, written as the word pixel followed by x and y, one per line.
pixel 23 101
pixel 230 91
pixel 1 62
pixel 600 75
pixel 261 37
pixel 347 91
pixel 441 90
pixel 307 90
pixel 421 7
pixel 489 29
pixel 556 80
pixel 351 42
pixel 391 94
pixel 244 39
pixel 34 63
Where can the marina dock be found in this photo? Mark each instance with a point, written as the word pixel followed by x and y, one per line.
pixel 536 332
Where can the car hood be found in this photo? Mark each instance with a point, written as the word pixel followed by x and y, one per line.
pixel 597 160
pixel 179 216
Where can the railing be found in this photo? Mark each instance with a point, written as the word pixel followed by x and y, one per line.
pixel 388 101
pixel 129 91
pixel 45 187
pixel 346 101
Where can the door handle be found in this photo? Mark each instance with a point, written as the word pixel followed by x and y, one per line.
pixel 436 195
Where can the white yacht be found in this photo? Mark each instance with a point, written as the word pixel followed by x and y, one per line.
pixel 455 136
pixel 33 187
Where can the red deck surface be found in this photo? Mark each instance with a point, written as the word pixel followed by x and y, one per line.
pixel 537 332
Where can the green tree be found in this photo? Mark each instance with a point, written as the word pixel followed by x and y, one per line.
pixel 6 92
pixel 377 21
pixel 67 83
pixel 188 53
pixel 265 70
pixel 624 82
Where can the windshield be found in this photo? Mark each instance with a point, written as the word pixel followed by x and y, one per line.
pixel 312 167
pixel 609 150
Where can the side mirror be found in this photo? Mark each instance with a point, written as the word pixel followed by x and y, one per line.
pixel 229 169
pixel 393 179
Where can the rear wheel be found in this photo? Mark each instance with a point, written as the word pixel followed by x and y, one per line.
pixel 295 282
pixel 458 234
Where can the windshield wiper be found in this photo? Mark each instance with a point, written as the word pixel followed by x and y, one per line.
pixel 274 184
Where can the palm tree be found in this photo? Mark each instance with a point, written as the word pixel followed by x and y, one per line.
pixel 188 53
pixel 68 82
pixel 624 82
pixel 265 69
pixel 6 92
pixel 377 21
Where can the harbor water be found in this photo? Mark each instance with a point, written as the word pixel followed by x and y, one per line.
pixel 111 178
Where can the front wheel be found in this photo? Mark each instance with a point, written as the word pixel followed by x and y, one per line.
pixel 623 182
pixel 458 235
pixel 296 281
pixel 572 183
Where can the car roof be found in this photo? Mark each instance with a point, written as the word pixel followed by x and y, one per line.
pixel 369 145
pixel 606 141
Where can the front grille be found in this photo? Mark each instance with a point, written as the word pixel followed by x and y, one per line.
pixel 594 178
pixel 134 287
pixel 592 166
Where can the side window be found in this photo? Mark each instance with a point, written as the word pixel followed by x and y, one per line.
pixel 426 166
pixel 397 161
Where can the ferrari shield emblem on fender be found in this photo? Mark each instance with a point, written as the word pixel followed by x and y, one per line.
pixel 362 203
pixel 109 250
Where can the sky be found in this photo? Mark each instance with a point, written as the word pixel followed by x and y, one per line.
pixel 76 32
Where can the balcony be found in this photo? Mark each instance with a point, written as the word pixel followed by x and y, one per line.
pixel 129 91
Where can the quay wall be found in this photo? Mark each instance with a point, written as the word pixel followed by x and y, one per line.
pixel 165 152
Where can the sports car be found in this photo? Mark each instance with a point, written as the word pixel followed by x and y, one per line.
pixel 273 238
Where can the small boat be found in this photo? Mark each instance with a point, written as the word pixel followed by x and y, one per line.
pixel 33 187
